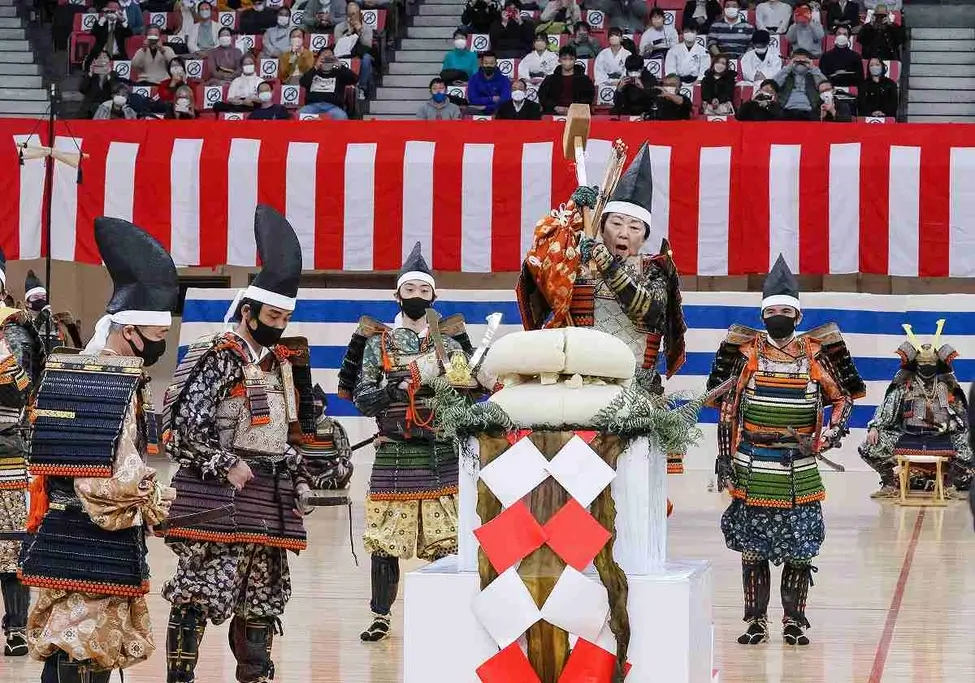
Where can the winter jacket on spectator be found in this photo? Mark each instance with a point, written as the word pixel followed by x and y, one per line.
pixel 274 112
pixel 689 64
pixel 512 40
pixel 431 111
pixel 107 111
pixel 555 13
pixel 559 90
pixel 364 45
pixel 807 37
pixel 731 39
pixel 482 90
pixel 702 14
pixel 883 41
pixel 224 63
pixel 635 95
pixel 759 111
pixel 842 13
pixel 277 41
pixel 842 59
pixel 480 15
pixel 292 66
pixel 328 85
pixel 201 36
pixel 97 88
pixel 874 96
pixel 752 64
pixel 529 111
pixel 133 16
pixel 110 37
pixel 664 109
pixel 254 23
pixel 166 90
pixel 720 87
pixel 460 60
pixel 588 49
pixel 804 98
pixel 152 63
pixel 610 67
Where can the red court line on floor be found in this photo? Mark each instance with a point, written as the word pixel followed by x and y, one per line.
pixel 883 647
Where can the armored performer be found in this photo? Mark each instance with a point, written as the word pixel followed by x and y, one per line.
pixel 411 507
pixel 56 329
pixel 923 411
pixel 326 449
pixel 770 434
pixel 92 495
pixel 21 359
pixel 230 415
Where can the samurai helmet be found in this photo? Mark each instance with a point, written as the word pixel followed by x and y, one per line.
pixel 914 353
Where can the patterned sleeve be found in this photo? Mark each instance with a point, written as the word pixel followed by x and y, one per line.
pixel 888 414
pixel 25 349
pixel 196 441
pixel 371 396
pixel 132 495
pixel 636 295
pixel 841 401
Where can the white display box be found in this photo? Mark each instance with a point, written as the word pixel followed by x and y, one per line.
pixel 640 493
pixel 670 624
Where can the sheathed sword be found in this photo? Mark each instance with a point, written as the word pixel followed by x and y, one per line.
pixel 806 448
pixel 493 323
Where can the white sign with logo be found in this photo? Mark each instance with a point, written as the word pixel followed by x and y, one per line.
pixel 605 94
pixel 370 17
pixel 141 90
pixel 246 43
pixel 309 117
pixel 317 41
pixel 174 40
pixel 458 91
pixel 297 16
pixel 875 119
pixel 482 117
pixel 290 95
pixel 232 116
pixel 88 21
pixel 480 42
pixel 228 19
pixel 670 17
pixel 211 95
pixel 596 19
pixel 507 67
pixel 269 69
pixel 123 68
pixel 717 118
pixel 194 69
pixel 655 67
pixel 158 19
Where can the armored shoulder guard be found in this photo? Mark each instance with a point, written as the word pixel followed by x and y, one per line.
pixel 352 362
pixel 729 360
pixel 300 357
pixel 835 356
pixel 78 413
pixel 455 327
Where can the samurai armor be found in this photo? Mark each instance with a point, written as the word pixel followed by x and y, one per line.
pixel 187 624
pixel 328 457
pixel 414 470
pixel 182 373
pixel 70 552
pixel 920 443
pixel 78 414
pixel 835 355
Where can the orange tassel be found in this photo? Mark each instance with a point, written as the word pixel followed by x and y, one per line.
pixel 39 503
pixel 387 361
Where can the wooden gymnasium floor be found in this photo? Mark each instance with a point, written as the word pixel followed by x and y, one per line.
pixel 894 600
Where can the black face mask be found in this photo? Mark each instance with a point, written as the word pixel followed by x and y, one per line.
pixel 414 307
pixel 152 349
pixel 37 305
pixel 264 334
pixel 488 70
pixel 927 370
pixel 780 326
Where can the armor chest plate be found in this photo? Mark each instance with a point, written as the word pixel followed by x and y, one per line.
pixel 781 394
pixel 234 421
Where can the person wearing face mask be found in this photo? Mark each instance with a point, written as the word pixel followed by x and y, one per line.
pixel 99 83
pixel 151 60
pixel 764 104
pixel 297 61
pixel 411 507
pixel 133 16
pixel 231 413
pixel 782 382
pixel 799 88
pixel 488 88
pixel 609 66
pixel 438 107
pixel 242 93
pixel 111 31
pixel 63 330
pixel 881 37
pixel 277 38
pixel 117 107
pixel 100 502
pixel 183 105
pixel 878 93
pixel 689 60
pixel 657 40
pixel 568 85
pixel 539 63
pixel 807 32
pixel 668 103
pixel 832 108
pixel 924 409
pixel 732 34
pixel 635 89
pixel 480 15
pixel 225 61
pixel 266 109
pixel 325 86
pixel 700 15
pixel 558 16
pixel 519 107
pixel 177 77
pixel 773 16
pixel 460 63
pixel 842 64
pixel 201 31
pixel 718 89
pixel 842 13
pixel 511 35
pixel 586 47
pixel 258 19
pixel 760 62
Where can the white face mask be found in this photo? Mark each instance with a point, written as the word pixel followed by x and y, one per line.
pixel 283 21
pixel 176 73
pixel 633 74
pixel 670 90
pixel 183 103
pixel 518 95
pixel 761 52
pixel 460 43
pixel 258 8
pixel 204 13
pixel 264 96
pixel 296 43
pixel 119 100
pixel 248 69
pixel 689 38
pixel 876 70
pixel 225 41
pixel 842 40
pixel 826 96
pixel 730 13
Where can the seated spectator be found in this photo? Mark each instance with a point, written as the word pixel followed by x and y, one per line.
pixel 878 93
pixel 586 47
pixel 799 88
pixel 689 60
pixel 183 105
pixel 151 61
pixel 832 109
pixel 622 14
pixel 558 16
pixel 806 33
pixel 731 35
pixel 842 13
pixel 480 15
pixel 511 36
pixel 760 63
pixel 111 31
pixel 266 110
pixel 657 39
pixel 842 65
pixel 325 86
pixel 538 64
pixel 881 37
pixel 98 84
pixel 460 63
pixel 242 93
pixel 320 17
pixel 117 107
pixel 438 107
pixel 568 85
pixel 488 88
pixel 225 59
pixel 891 5
pixel 668 103
pixel 353 38
pixel 764 105
pixel 177 77
pixel 635 89
pixel 258 19
pixel 203 34
pixel 700 15
pixel 611 61
pixel 773 16
pixel 133 16
pixel 718 89
pixel 519 107
pixel 277 39
pixel 297 61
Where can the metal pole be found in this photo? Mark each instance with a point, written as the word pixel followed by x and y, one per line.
pixel 55 98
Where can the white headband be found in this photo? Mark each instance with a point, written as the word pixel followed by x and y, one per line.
pixel 104 324
pixel 35 290
pixel 415 275
pixel 781 300
pixel 628 209
pixel 265 296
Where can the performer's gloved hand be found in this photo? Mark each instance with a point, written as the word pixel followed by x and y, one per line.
pixel 586 245
pixel 724 471
pixel 830 438
pixel 591 250
pixel 302 495
pixel 396 392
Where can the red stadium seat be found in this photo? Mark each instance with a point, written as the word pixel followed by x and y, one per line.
pixel 79 45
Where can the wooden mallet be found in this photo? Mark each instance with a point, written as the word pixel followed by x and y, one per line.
pixel 574 138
